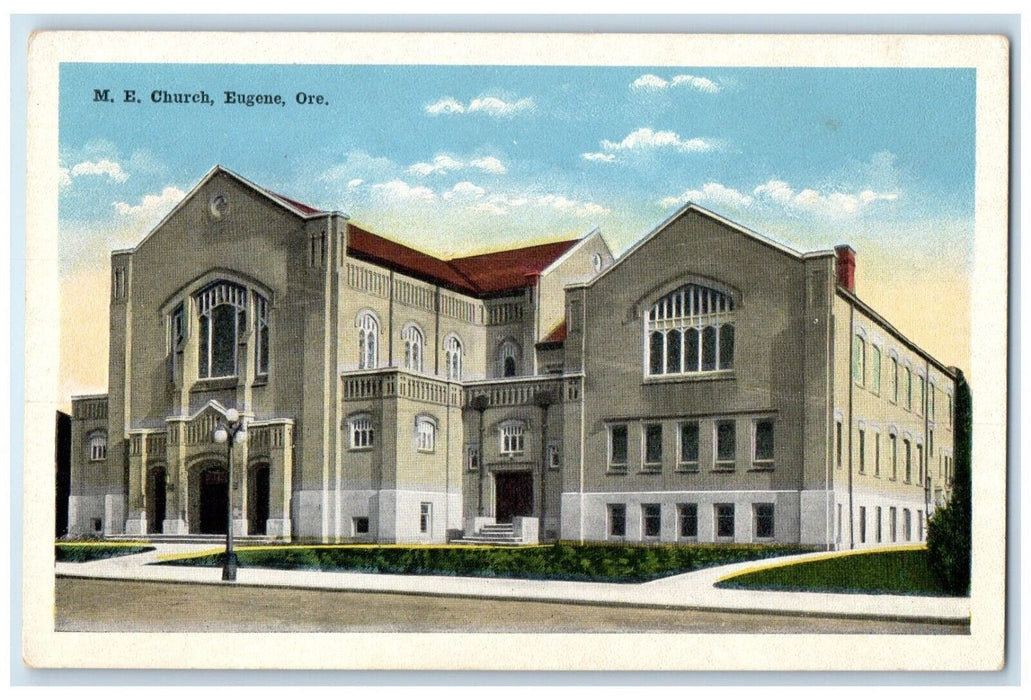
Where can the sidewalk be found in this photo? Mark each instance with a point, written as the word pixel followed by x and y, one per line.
pixel 694 590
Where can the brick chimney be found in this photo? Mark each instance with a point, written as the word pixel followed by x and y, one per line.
pixel 846 267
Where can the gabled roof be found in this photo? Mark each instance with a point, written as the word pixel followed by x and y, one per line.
pixel 485 274
pixel 506 270
pixel 368 246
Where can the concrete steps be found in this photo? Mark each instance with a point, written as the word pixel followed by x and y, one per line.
pixel 500 534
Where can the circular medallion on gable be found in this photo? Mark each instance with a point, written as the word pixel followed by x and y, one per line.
pixel 219 206
pixel 598 262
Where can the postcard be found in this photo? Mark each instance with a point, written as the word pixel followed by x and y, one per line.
pixel 516 351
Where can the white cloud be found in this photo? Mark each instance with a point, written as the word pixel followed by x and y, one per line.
pixel 355 182
pixel 813 202
pixel 489 164
pixel 152 206
pixel 400 190
pixel 106 167
pixel 494 106
pixel 443 164
pixel 64 178
pixel 598 157
pixel 710 193
pixel 653 83
pixel 464 190
pixel 645 138
pixel 446 105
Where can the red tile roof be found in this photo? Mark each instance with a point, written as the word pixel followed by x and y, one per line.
pixel 506 270
pixel 557 335
pixel 486 274
pixel 303 208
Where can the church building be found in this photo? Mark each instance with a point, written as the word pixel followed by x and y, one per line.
pixel 709 385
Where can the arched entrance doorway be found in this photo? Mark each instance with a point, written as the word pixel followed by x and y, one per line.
pixel 156 480
pixel 258 492
pixel 214 500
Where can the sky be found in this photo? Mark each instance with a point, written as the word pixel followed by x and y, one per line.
pixel 454 160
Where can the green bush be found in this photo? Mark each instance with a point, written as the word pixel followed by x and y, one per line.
pixel 948 532
pixel 562 561
pixel 80 553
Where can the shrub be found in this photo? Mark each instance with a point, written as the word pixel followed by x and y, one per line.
pixel 948 532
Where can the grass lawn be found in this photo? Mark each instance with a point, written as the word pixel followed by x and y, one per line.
pixel 902 572
pixel 80 552
pixel 609 563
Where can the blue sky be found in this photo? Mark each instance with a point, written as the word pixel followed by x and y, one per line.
pixel 457 159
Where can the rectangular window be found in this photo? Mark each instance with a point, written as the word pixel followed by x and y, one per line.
pixel 893 523
pixel 426 518
pixel 909 389
pixel 894 380
pixel 859 361
pixel 907 525
pixel 930 403
pixel 839 523
pixel 764 521
pixel 877 525
pixel 920 464
pixel 930 443
pixel 554 457
pixel 894 442
pixel 724 520
pixel 688 515
pixel 651 515
pixel 362 434
pixel 921 395
pixel 875 369
pixel 617 520
pixel 425 435
pixel 762 450
pixel 617 446
pixel 512 439
pixel 876 454
pixel 472 457
pixel 653 446
pixel 725 445
pixel 837 444
pixel 907 450
pixel 862 524
pixel 862 451
pixel 920 526
pixel 360 526
pixel 689 447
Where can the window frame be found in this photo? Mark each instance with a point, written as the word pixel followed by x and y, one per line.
pixel 611 519
pixel 687 513
pixel 209 299
pixel 724 465
pixel 769 518
pixel 875 369
pixel 472 457
pixel 355 443
pixel 512 438
pixel 721 519
pixel 425 434
pixel 700 321
pixel 426 518
pixel 96 445
pixel 613 465
pixel 765 463
pixel 453 360
pixel 414 343
pixel 651 514
pixel 368 326
pixel 689 465
pixel 648 432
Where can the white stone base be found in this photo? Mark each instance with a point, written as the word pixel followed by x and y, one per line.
pixel 277 527
pixel 526 529
pixel 240 526
pixel 174 527
pixel 473 525
pixel 137 525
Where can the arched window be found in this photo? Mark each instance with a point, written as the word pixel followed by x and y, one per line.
pixel 425 434
pixel 261 346
pixel 691 330
pixel 98 446
pixel 508 358
pixel 412 338
pixel 453 358
pixel 512 434
pixel 360 428
pixel 368 340
pixel 223 322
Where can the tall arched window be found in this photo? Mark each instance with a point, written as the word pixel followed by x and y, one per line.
pixel 261 336
pixel 690 330
pixel 223 322
pixel 508 358
pixel 453 358
pixel 368 340
pixel 412 338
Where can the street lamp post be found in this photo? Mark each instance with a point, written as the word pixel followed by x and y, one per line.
pixel 544 399
pixel 479 404
pixel 232 430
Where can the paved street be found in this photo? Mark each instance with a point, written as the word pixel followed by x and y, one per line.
pixel 96 605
